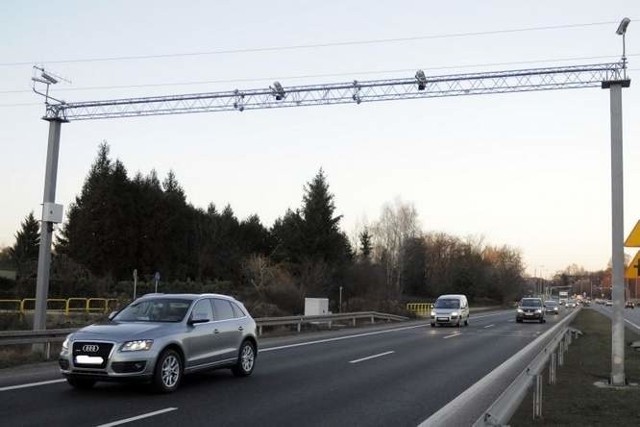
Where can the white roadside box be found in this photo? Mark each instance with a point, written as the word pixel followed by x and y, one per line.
pixel 316 306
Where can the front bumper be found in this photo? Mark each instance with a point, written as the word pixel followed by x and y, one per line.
pixel 107 364
pixel 529 316
pixel 445 319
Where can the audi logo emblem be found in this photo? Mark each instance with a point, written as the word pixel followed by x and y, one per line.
pixel 90 348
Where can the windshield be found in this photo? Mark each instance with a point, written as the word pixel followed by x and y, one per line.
pixel 532 302
pixel 550 303
pixel 154 310
pixel 447 303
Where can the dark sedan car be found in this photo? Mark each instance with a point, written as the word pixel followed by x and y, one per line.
pixel 530 309
pixel 551 307
pixel 158 338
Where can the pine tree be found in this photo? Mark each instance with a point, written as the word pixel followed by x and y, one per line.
pixel 24 253
pixel 320 228
pixel 366 245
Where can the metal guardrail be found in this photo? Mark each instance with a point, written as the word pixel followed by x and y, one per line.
pixel 298 321
pixel 49 336
pixel 60 305
pixel 548 349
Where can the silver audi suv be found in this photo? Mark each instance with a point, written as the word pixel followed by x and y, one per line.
pixel 160 337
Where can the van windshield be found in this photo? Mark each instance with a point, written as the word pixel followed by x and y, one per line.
pixel 447 303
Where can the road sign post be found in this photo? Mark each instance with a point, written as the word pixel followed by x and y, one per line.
pixel 135 282
pixel 156 278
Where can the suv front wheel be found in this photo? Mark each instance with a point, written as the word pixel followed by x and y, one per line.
pixel 168 372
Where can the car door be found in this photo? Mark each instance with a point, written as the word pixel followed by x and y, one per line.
pixel 229 335
pixel 200 338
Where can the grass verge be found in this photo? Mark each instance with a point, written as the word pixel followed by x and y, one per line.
pixel 574 399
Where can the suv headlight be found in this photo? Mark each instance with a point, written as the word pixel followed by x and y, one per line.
pixel 433 313
pixel 454 314
pixel 538 311
pixel 520 310
pixel 138 345
pixel 65 344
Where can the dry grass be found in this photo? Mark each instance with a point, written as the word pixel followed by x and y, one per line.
pixel 575 400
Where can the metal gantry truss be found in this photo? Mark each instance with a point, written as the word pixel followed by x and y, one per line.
pixel 421 86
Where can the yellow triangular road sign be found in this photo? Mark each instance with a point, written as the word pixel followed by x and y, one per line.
pixel 632 269
pixel 633 241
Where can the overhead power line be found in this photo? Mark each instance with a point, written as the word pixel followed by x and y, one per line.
pixel 326 75
pixel 312 45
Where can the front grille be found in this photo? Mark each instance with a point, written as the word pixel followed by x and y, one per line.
pixel 128 367
pixel 94 350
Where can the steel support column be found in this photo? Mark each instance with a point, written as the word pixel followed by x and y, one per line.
pixel 46 228
pixel 617 233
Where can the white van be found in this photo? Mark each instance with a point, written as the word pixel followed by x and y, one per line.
pixel 450 310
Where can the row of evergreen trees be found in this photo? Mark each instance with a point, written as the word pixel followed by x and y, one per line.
pixel 117 224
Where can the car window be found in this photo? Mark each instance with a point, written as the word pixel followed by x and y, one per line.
pixel 447 303
pixel 154 310
pixel 202 310
pixel 237 310
pixel 531 302
pixel 223 309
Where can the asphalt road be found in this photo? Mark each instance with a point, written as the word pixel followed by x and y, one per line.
pixel 396 374
pixel 631 315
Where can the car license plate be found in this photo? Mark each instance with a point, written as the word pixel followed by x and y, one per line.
pixel 528 314
pixel 443 319
pixel 89 360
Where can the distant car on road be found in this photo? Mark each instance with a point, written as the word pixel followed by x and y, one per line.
pixel 571 303
pixel 450 310
pixel 608 303
pixel 629 304
pixel 530 309
pixel 158 338
pixel 551 307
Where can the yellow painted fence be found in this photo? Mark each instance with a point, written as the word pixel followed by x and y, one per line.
pixel 60 305
pixel 421 309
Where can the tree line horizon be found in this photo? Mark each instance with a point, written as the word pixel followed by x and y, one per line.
pixel 118 224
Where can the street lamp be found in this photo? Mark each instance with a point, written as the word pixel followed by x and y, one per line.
pixel 622 31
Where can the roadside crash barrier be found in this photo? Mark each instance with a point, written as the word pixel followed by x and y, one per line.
pixel 501 392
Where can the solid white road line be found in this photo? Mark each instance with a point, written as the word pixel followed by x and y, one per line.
pixel 16 387
pixel 489 326
pixel 451 336
pixel 139 417
pixel 631 323
pixel 372 357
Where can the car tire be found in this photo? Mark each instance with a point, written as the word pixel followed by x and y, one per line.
pixel 81 383
pixel 246 360
pixel 466 322
pixel 168 372
pixel 433 325
pixel 519 320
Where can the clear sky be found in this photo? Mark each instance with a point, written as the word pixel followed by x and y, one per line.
pixel 530 170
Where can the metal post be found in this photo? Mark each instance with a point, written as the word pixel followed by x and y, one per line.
pixel 340 301
pixel 561 353
pixel 553 364
pixel 46 229
pixel 617 235
pixel 135 282
pixel 537 397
